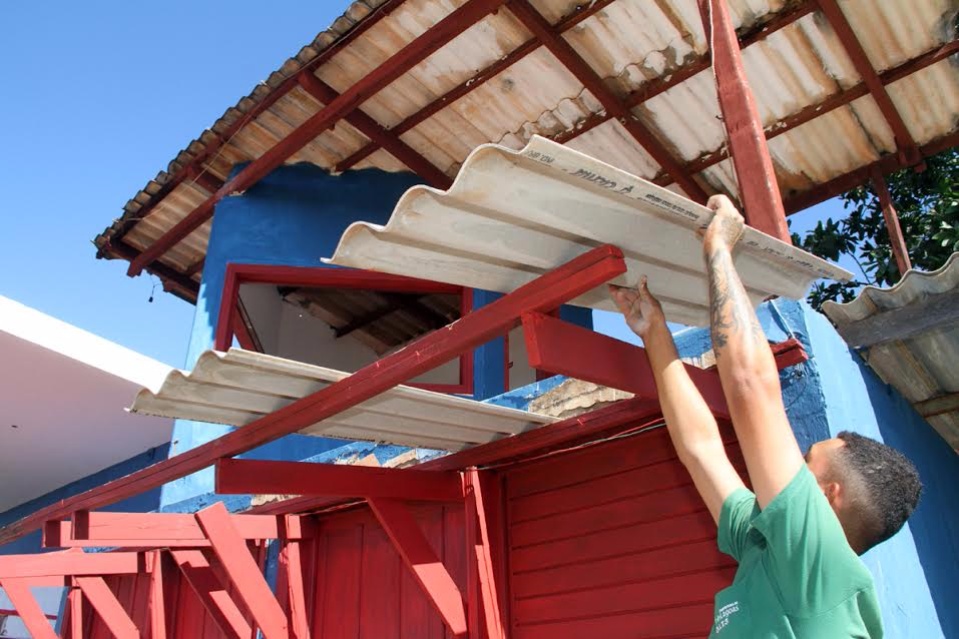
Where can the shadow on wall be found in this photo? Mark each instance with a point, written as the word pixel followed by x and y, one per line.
pixel 935 523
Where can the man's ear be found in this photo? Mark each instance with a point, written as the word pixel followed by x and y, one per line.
pixel 834 494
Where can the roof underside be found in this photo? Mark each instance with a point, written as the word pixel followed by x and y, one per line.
pixel 496 82
pixel 909 334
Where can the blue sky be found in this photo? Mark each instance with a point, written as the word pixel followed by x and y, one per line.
pixel 100 96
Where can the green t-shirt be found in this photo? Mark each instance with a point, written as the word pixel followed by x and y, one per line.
pixel 797 575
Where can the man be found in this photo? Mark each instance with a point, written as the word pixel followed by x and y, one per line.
pixel 798 535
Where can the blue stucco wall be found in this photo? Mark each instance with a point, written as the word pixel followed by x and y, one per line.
pixel 916 572
pixel 144 502
pixel 292 217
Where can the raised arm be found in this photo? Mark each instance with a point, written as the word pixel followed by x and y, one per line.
pixel 746 365
pixel 691 425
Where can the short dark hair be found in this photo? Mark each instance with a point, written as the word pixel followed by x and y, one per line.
pixel 889 484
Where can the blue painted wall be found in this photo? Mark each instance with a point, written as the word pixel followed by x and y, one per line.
pixel 144 502
pixel 917 571
pixel 292 217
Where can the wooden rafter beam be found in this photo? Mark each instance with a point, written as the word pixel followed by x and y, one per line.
pixel 156 529
pixel 387 140
pixel 613 104
pixel 192 168
pixel 545 293
pixel 358 323
pixel 61 564
pixel 905 143
pixel 405 59
pixel 249 477
pixel 174 281
pixel 939 405
pixel 899 249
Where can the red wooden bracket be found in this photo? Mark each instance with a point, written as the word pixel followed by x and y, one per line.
pixel 789 353
pixel 63 564
pixel 158 529
pixel 29 611
pixel 483 518
pixel 252 588
pixel 421 559
pixel 563 348
pixel 102 599
pixel 255 477
pixel 199 574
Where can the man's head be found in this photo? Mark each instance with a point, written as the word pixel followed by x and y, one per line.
pixel 872 488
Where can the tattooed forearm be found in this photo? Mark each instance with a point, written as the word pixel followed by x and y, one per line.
pixel 731 313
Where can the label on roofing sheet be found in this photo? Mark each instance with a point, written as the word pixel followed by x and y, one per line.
pixel 512 215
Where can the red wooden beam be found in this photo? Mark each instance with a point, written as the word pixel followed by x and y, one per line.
pixel 62 564
pixel 545 293
pixel 27 608
pixel 899 248
pixel 179 283
pixel 243 571
pixel 405 59
pixel 614 105
pixel 566 349
pixel 427 569
pixel 759 191
pixel 369 127
pixel 102 599
pixel 857 55
pixel 256 477
pixel 75 612
pixel 162 529
pixel 199 574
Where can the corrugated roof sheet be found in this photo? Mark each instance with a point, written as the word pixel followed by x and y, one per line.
pixel 510 216
pixel 922 365
pixel 632 45
pixel 238 387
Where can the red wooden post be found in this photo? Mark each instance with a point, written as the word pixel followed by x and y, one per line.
pixel 75 601
pixel 199 574
pixel 422 561
pixel 747 142
pixel 29 611
pixel 567 349
pixel 102 599
pixel 484 510
pixel 898 242
pixel 256 477
pixel 251 586
pixel 291 570
pixel 227 316
pixel 156 604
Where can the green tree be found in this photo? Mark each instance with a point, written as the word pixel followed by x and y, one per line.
pixel 928 208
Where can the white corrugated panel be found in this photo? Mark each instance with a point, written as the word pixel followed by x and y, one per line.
pixel 923 366
pixel 238 387
pixel 511 216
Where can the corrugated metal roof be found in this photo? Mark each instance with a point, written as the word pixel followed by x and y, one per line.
pixel 631 44
pixel 238 387
pixel 922 364
pixel 511 216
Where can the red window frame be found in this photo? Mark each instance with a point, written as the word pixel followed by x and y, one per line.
pixel 230 324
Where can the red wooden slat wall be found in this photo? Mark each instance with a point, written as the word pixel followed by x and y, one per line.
pixel 611 541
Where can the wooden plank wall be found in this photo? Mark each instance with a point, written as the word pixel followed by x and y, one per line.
pixel 612 541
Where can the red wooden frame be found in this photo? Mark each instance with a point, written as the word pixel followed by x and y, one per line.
pixel 27 608
pixel 230 323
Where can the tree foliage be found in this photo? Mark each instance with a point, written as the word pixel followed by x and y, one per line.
pixel 928 208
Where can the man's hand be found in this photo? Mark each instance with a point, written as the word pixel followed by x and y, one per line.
pixel 642 311
pixel 726 227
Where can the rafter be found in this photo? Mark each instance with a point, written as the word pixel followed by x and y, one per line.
pixel 905 143
pixel 405 59
pixel 614 105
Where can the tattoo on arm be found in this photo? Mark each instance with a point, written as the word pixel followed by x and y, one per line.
pixel 731 313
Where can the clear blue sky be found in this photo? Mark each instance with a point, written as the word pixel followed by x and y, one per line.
pixel 100 96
